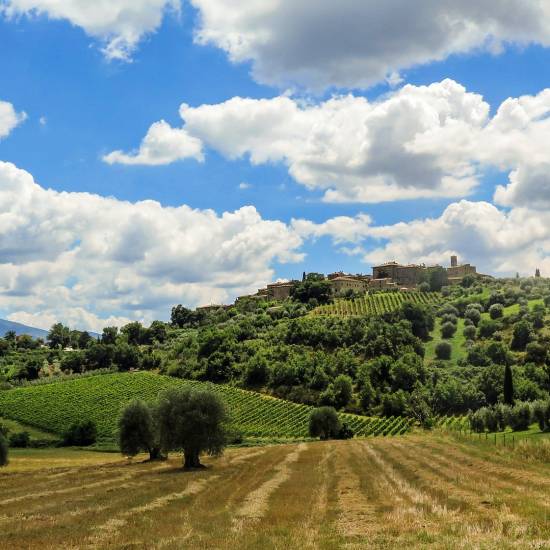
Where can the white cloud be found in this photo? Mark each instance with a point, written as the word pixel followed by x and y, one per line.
pixel 350 43
pixel 417 142
pixel 86 259
pixel 119 24
pixel 162 145
pixel 413 143
pixel 9 118
pixel 496 241
pixel 244 185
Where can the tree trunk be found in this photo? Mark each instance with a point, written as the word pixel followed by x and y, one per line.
pixel 155 454
pixel 191 459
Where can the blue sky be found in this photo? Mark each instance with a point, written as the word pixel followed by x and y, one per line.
pixel 81 105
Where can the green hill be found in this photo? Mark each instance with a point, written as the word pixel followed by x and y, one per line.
pixel 54 407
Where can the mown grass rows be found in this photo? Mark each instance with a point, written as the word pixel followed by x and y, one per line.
pixel 54 407
pixel 376 304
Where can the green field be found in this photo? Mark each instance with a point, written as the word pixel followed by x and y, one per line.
pixel 54 407
pixel 34 433
pixel 457 342
pixel 376 304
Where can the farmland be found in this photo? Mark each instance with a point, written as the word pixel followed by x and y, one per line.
pixel 54 407
pixel 411 492
pixel 376 304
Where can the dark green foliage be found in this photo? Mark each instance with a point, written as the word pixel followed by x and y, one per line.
pixel 508 386
pixel 448 330
pixel 469 332
pixel 324 423
pixel 3 450
pixel 137 430
pixel 536 353
pixel 420 317
pixel 338 393
pixel 473 315
pixel 59 336
pixel 193 421
pixel 496 311
pixel 468 281
pixel 520 417
pixel 315 290
pixel 345 432
pixel 81 434
pixel 541 413
pixel 522 336
pixel 486 328
pixel 443 350
pixel 20 440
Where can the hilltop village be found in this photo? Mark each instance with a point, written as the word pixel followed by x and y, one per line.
pixel 386 276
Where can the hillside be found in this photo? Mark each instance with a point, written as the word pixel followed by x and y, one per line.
pixel 55 406
pixel 20 329
pixel 376 304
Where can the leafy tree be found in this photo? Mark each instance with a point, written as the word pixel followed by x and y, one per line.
pixel 195 421
pixel 99 356
pixel 468 281
pixel 486 328
pixel 157 331
pixel 338 394
pixel 3 450
pixel 473 314
pixel 84 339
pixel 11 337
pixel 20 440
pixel 135 333
pixel 324 423
pixel 448 330
pixel 82 434
pixel 59 336
pixel 73 361
pixel 109 335
pixel 508 386
pixel 496 311
pixel 522 335
pixel 520 417
pixel 469 332
pixel 536 353
pixel 420 317
pixel 183 317
pixel 137 431
pixel 315 287
pixel 443 350
pixel 126 357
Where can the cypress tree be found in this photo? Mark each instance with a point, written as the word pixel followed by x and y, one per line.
pixel 508 386
pixel 3 450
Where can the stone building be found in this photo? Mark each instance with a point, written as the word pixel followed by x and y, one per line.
pixel 280 291
pixel 342 283
pixel 404 276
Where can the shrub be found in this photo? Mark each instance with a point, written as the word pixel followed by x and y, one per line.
pixel 448 330
pixel 469 332
pixel 468 323
pixel 345 432
pixel 522 336
pixel 324 423
pixel 3 450
pixel 477 421
pixel 496 311
pixel 473 315
pixel 443 350
pixel 486 328
pixel 520 417
pixel 80 434
pixel 541 413
pixel 20 440
pixel 449 318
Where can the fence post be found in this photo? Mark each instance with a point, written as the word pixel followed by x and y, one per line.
pixel 504 438
pixel 495 439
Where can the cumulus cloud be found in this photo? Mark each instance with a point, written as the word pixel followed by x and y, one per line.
pixel 498 242
pixel 9 118
pixel 350 43
pixel 162 145
pixel 119 24
pixel 416 142
pixel 91 260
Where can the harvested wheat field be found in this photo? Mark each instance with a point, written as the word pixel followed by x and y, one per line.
pixel 410 492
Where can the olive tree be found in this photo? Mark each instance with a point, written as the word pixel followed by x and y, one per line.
pixel 193 421
pixel 324 423
pixel 138 431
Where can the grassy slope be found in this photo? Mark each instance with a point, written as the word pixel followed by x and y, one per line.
pixel 34 433
pixel 416 492
pixel 55 406
pixel 458 340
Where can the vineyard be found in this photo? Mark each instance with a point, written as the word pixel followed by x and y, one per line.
pixel 54 407
pixel 376 304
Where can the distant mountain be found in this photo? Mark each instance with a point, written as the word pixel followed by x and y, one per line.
pixel 21 329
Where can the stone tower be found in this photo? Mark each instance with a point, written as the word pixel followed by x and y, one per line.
pixel 454 261
pixel 537 273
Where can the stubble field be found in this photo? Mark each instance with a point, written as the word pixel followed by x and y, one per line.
pixel 409 492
